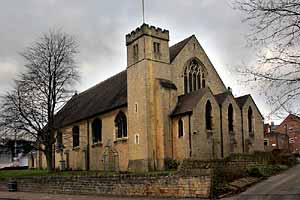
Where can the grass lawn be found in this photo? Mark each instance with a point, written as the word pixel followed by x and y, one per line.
pixel 5 174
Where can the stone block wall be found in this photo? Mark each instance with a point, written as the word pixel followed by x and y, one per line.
pixel 3 185
pixel 121 185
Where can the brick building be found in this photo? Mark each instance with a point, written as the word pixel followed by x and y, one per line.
pixel 291 126
pixel 275 140
pixel 168 104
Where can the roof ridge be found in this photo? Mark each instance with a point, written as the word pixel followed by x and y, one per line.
pixel 242 96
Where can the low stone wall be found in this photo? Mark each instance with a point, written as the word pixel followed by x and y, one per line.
pixel 121 185
pixel 3 185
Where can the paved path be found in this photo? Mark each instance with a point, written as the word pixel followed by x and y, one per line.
pixel 285 186
pixel 39 196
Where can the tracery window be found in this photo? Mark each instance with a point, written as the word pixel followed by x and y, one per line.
pixel 97 130
pixel 121 125
pixel 194 77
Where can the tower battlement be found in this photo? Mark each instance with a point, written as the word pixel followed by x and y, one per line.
pixel 145 29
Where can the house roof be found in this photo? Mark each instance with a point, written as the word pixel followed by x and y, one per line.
pixel 187 102
pixel 103 97
pixel 290 118
pixel 176 48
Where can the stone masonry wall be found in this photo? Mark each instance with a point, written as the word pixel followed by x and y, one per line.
pixel 129 185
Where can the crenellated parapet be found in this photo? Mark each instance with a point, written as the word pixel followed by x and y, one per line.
pixel 145 29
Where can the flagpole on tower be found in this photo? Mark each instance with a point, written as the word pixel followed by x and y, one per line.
pixel 143 6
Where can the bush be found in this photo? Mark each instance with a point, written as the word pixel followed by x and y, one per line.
pixel 171 164
pixel 265 170
pixel 254 172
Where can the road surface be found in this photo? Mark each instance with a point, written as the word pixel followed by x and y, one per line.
pixel 285 186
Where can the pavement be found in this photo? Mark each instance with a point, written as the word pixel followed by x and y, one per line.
pixel 40 196
pixel 284 186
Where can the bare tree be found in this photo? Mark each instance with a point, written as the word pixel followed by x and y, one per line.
pixel 29 109
pixel 275 32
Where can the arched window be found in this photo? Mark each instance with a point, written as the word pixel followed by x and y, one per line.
pixel 190 81
pixel 193 76
pixel 97 130
pixel 203 81
pixel 75 133
pixel 180 128
pixel 194 82
pixel 199 81
pixel 208 115
pixel 59 138
pixel 250 116
pixel 121 125
pixel 230 117
pixel 185 83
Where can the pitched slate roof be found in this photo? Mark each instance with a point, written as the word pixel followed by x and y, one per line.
pixel 242 100
pixel 187 102
pixel 176 48
pixel 221 97
pixel 103 97
pixel 167 84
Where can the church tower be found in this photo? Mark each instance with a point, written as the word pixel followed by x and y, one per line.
pixel 148 59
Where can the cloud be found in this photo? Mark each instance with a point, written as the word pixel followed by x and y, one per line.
pixel 100 28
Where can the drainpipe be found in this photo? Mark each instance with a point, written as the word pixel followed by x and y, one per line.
pixel 190 136
pixel 222 142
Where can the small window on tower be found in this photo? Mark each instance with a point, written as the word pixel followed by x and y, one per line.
pixel 136 139
pixel 135 51
pixel 156 47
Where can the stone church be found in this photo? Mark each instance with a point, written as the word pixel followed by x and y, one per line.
pixel 168 104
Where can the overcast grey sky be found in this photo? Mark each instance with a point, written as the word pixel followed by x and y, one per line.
pixel 100 27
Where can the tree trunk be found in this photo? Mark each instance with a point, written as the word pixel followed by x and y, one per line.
pixel 49 158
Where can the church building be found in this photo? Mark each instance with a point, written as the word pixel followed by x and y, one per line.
pixel 168 104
